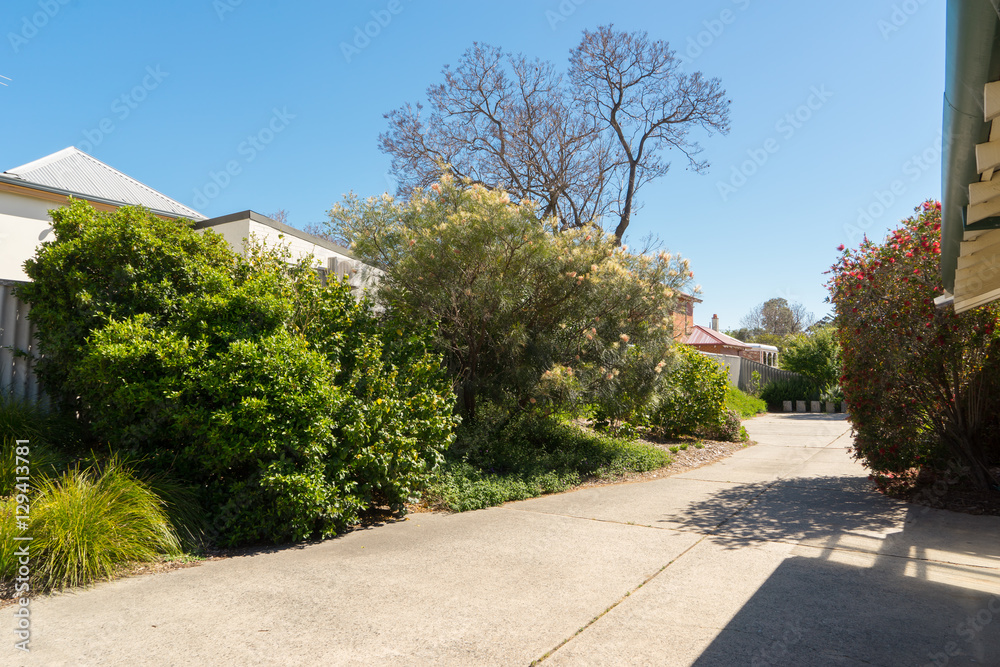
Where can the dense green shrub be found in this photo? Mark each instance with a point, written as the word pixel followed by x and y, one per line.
pixel 745 405
pixel 52 440
pixel 691 397
pixel 287 401
pixel 923 383
pixel 797 389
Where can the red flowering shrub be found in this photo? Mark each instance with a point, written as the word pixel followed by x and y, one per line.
pixel 922 383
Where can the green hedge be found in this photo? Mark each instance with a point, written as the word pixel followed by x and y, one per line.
pixel 291 404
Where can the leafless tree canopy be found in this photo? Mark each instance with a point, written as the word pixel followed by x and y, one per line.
pixel 777 317
pixel 579 146
pixel 633 88
pixel 281 215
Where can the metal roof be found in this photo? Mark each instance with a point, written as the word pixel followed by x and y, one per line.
pixel 703 336
pixel 73 170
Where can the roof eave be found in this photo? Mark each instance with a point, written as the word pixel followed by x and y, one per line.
pixel 28 185
pixel 972 58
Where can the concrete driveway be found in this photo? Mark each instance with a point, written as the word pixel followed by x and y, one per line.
pixel 779 555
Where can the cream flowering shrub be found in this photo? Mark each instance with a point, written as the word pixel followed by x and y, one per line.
pixel 520 309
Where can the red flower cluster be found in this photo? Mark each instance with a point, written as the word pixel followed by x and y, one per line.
pixel 898 351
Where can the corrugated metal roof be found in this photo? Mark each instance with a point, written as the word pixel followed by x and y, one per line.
pixel 73 170
pixel 703 336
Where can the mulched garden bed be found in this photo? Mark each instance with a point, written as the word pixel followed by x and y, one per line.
pixel 940 491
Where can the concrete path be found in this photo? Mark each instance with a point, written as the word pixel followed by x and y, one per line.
pixel 779 555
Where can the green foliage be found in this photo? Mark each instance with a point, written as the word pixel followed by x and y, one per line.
pixel 532 455
pixel 51 440
pixel 744 405
pixel 524 314
pixel 691 397
pixel 796 389
pixel 815 355
pixel 87 523
pixel 286 401
pixel 8 531
pixel 922 382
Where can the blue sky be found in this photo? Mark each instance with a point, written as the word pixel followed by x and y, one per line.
pixel 836 110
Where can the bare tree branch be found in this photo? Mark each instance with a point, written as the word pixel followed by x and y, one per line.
pixel 582 148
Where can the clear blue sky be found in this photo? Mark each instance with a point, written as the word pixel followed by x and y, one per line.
pixel 201 77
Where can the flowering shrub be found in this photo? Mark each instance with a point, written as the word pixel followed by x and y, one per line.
pixel 524 314
pixel 921 382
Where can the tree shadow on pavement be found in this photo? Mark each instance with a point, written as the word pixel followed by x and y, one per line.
pixel 790 509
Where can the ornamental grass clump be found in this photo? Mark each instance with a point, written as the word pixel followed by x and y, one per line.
pixel 923 383
pixel 87 523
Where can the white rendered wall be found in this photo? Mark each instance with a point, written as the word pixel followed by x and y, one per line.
pixel 24 225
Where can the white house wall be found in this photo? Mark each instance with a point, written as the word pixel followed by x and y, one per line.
pixel 233 232
pixel 24 225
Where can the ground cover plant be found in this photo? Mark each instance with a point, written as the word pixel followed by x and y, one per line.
pixel 500 461
pixel 745 405
pixel 922 382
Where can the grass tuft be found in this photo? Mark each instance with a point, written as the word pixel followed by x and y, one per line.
pixel 88 523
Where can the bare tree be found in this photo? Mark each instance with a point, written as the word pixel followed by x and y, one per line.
pixel 633 87
pixel 281 215
pixel 504 121
pixel 581 150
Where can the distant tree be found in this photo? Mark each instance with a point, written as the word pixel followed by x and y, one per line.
pixel 281 215
pixel 581 150
pixel 777 317
pixel 739 334
pixel 817 356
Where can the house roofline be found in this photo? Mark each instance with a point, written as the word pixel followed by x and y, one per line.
pixel 15 185
pixel 280 226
